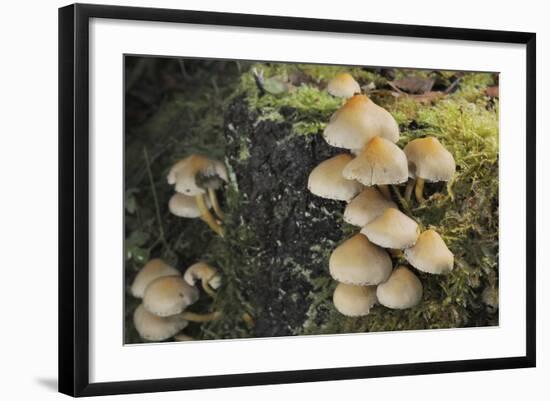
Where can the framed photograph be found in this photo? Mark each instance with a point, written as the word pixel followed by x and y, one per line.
pixel 249 199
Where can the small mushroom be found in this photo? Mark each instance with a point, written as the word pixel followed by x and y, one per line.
pixel 381 162
pixel 354 300
pixel 428 161
pixel 326 180
pixel 393 229
pixel 167 296
pixel 195 176
pixel 343 85
pixel 207 274
pixel 152 270
pixel 430 254
pixel 366 206
pixel 185 206
pixel 357 122
pixel 151 327
pixel 403 290
pixel 358 261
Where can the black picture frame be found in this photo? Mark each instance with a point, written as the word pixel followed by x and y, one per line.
pixel 74 198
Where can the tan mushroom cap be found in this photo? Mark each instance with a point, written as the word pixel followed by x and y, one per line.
pixel 393 229
pixel 185 206
pixel 152 270
pixel 358 261
pixel 167 296
pixel 366 206
pixel 354 300
pixel 403 290
pixel 381 162
pixel 151 327
pixel 357 122
pixel 185 173
pixel 343 85
pixel 430 254
pixel 202 271
pixel 428 159
pixel 326 180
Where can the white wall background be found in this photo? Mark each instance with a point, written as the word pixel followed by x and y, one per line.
pixel 28 199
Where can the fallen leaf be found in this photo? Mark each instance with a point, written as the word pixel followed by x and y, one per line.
pixel 492 91
pixel 275 86
pixel 414 85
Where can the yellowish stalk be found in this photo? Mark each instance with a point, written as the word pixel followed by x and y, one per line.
pixel 248 319
pixel 396 253
pixel 419 190
pixel 208 289
pixel 409 189
pixel 385 191
pixel 207 216
pixel 215 203
pixel 197 317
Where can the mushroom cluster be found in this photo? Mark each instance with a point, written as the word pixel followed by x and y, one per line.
pixel 194 178
pixel 362 265
pixel 166 295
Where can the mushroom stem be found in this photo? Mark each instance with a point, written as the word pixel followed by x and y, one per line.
pixel 215 203
pixel 197 317
pixel 409 189
pixel 207 216
pixel 208 289
pixel 385 191
pixel 248 319
pixel 419 190
pixel 396 253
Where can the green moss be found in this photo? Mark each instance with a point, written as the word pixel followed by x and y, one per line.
pixel 231 255
pixel 306 105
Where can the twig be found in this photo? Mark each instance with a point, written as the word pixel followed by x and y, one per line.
pixel 155 200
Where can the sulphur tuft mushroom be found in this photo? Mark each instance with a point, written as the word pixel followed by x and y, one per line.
pixel 381 162
pixel 366 206
pixel 357 122
pixel 326 180
pixel 403 290
pixel 354 300
pixel 430 254
pixel 195 176
pixel 152 270
pixel 151 327
pixel 170 295
pixel 185 206
pixel 358 261
pixel 428 161
pixel 393 229
pixel 343 85
pixel 208 275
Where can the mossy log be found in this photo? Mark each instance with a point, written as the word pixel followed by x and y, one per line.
pixel 293 229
